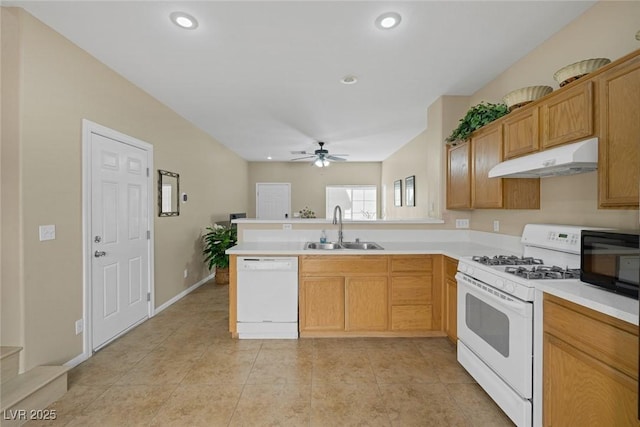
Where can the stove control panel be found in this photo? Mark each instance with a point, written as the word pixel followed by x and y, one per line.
pixel 569 239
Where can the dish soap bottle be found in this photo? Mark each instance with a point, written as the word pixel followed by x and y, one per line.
pixel 323 237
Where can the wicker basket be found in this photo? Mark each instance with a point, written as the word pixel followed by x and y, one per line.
pixel 566 75
pixel 523 96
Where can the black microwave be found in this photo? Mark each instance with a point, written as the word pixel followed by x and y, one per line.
pixel 611 259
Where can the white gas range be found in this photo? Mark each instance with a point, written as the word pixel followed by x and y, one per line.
pixel 495 313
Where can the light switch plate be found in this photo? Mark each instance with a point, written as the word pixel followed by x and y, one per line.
pixel 496 225
pixel 47 232
pixel 79 326
pixel 286 226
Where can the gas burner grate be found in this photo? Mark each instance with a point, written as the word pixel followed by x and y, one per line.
pixel 507 260
pixel 544 272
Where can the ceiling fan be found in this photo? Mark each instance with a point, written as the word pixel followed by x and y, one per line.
pixel 321 157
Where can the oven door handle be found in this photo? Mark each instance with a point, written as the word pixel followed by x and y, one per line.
pixel 517 306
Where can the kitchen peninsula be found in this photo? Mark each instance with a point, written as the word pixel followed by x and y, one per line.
pixel 414 251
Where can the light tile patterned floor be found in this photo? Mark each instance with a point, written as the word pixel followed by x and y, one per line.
pixel 180 368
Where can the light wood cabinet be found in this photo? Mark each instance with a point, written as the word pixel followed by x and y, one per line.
pixel 341 294
pixel 521 133
pixel 486 152
pixel 619 143
pixel 590 367
pixel 459 176
pixel 321 305
pixel 366 304
pixel 451 299
pixel 498 193
pixel 568 116
pixel 370 295
pixel 412 293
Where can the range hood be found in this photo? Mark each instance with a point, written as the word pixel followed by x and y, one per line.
pixel 568 159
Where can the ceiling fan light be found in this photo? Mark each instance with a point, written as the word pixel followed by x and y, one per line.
pixel 318 162
pixel 325 163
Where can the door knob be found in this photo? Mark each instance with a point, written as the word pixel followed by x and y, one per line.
pixel 98 254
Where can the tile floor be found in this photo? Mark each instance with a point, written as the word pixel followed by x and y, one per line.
pixel 181 369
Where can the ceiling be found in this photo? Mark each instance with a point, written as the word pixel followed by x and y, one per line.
pixel 263 77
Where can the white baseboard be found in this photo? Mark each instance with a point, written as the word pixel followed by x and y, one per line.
pixel 183 294
pixel 84 356
pixel 77 360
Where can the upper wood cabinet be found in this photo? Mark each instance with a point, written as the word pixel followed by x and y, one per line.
pixel 459 176
pixel 619 144
pixel 521 133
pixel 497 193
pixel 567 116
pixel 486 152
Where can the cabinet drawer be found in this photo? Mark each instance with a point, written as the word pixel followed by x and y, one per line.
pixel 607 339
pixel 411 317
pixel 450 268
pixel 411 289
pixel 319 265
pixel 423 263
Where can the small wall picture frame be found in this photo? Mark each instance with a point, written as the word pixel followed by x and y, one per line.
pixel 397 193
pixel 410 190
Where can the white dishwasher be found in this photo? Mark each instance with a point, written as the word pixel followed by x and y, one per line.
pixel 267 297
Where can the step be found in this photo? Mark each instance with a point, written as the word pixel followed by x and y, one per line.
pixel 9 362
pixel 33 390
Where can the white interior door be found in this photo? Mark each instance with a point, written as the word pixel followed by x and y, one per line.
pixel 120 249
pixel 273 200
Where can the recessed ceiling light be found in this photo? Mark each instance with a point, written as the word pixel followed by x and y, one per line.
pixel 388 20
pixel 184 20
pixel 349 80
pixel 269 157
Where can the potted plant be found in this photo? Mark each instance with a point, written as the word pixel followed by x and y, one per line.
pixel 217 240
pixel 477 116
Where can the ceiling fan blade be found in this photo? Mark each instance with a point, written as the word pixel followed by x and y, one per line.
pixel 336 159
pixel 343 155
pixel 303 158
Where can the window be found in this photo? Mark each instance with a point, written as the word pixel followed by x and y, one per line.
pixel 358 202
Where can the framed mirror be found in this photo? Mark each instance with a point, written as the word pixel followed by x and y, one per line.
pixel 168 193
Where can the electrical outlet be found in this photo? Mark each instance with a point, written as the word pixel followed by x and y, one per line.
pixel 286 226
pixel 496 225
pixel 79 326
pixel 47 232
pixel 186 273
pixel 462 223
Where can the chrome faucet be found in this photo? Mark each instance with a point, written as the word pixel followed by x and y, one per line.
pixel 338 220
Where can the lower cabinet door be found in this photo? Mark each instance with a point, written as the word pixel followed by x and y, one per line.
pixel 322 304
pixel 582 391
pixel 367 303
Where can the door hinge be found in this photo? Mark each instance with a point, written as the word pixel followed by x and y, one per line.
pixel 148 296
pixel 148 234
pixel 147 171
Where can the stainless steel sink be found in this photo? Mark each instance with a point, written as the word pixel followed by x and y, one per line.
pixel 343 245
pixel 324 246
pixel 361 245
